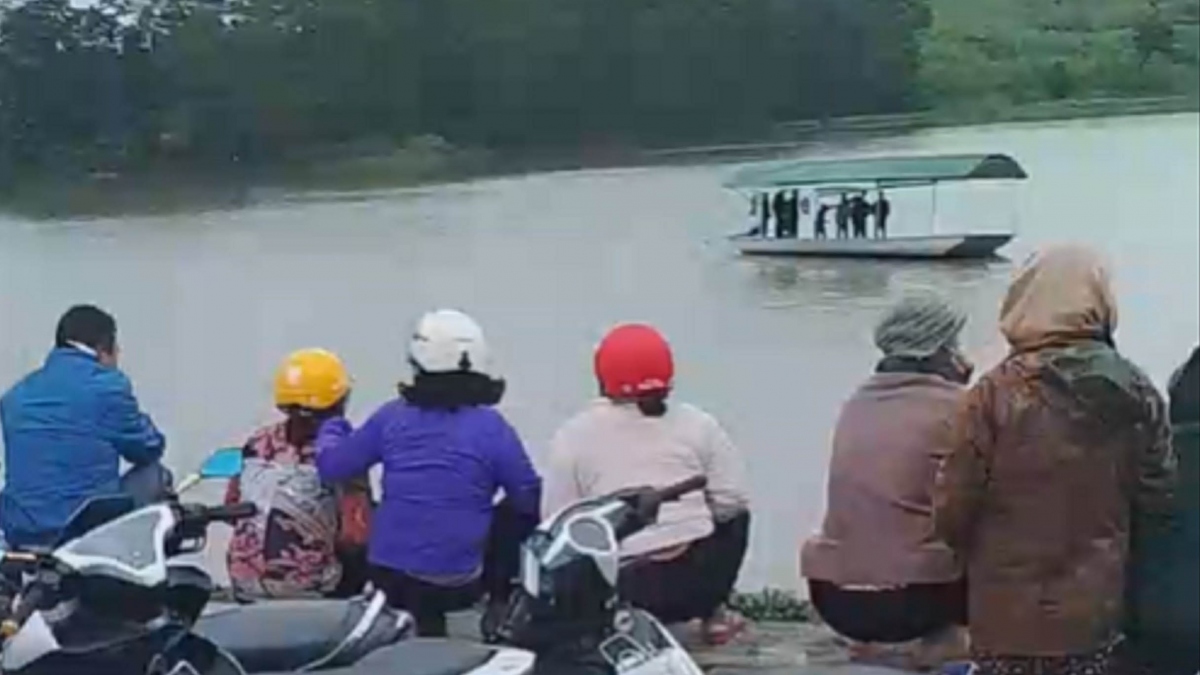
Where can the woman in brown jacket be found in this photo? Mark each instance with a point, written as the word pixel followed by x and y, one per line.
pixel 1053 450
pixel 875 571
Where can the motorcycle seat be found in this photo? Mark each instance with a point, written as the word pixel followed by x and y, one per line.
pixel 442 657
pixel 288 635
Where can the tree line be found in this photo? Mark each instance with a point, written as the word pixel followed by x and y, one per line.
pixel 115 83
pixel 105 85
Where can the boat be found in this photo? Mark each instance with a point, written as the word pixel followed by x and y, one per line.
pixel 814 182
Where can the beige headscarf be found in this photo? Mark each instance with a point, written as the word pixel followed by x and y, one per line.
pixel 1061 292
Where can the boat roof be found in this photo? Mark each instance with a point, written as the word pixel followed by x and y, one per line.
pixel 879 171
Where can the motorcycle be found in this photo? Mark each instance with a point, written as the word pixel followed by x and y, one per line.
pixel 112 597
pixel 566 607
pixel 566 611
pixel 109 598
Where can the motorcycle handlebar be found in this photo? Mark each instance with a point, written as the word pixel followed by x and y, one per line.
pixel 230 513
pixel 27 604
pixel 674 492
pixel 198 516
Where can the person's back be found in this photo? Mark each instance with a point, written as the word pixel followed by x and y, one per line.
pixel 1163 619
pixel 439 541
pixel 888 439
pixel 613 447
pixel 308 538
pixel 685 566
pixel 1054 449
pixel 876 572
pixel 66 428
pixel 441 472
pixel 287 549
pixel 884 452
pixel 859 210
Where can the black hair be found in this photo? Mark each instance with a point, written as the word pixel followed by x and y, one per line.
pixel 302 424
pixel 652 406
pixel 87 325
pixel 451 391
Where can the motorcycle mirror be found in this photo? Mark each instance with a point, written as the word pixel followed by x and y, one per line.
pixel 224 463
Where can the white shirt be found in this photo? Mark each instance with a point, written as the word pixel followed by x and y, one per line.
pixel 609 447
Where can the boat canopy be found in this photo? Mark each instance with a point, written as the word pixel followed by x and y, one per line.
pixel 881 172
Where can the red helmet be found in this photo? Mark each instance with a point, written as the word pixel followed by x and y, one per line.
pixel 634 360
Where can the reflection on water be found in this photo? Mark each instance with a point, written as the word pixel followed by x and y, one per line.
pixel 814 282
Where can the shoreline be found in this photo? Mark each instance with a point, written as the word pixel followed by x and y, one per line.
pixel 798 133
pixel 172 189
pixel 770 645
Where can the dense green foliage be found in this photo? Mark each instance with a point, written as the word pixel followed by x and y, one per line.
pixel 256 80
pixel 1000 52
pixel 111 84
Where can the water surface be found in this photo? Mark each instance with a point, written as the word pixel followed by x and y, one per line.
pixel 208 303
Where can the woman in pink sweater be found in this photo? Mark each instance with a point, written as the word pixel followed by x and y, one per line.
pixel 687 564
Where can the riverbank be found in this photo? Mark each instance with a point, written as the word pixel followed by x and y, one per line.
pixel 169 188
pixel 764 648
pixel 790 135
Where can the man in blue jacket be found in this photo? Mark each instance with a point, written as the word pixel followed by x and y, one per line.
pixel 66 427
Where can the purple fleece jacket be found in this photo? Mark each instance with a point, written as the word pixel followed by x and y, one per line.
pixel 441 472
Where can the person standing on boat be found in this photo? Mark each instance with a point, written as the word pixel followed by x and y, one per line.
pixel 793 213
pixel 859 212
pixel 820 223
pixel 883 210
pixel 779 210
pixel 1053 451
pixel 875 572
pixel 438 542
pixel 760 215
pixel 764 213
pixel 685 566
pixel 67 426
pixel 842 217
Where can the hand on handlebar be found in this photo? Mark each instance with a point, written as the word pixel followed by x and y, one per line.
pixel 647 501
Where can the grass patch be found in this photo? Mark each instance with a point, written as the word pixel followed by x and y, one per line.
pixel 771 604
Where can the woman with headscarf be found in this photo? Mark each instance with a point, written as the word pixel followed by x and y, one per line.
pixel 876 573
pixel 1053 452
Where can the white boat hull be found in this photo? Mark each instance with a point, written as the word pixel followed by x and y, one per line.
pixel 957 246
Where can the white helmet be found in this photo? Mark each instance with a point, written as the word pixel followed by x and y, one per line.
pixel 448 341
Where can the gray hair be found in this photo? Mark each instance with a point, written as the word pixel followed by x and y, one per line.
pixel 919 325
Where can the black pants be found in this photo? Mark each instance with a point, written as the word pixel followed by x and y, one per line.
pixel 429 603
pixel 355 572
pixel 697 583
pixel 890 616
pixel 1160 657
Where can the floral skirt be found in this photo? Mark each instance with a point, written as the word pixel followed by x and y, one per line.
pixel 1103 661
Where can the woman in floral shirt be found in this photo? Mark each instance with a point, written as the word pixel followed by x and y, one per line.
pixel 308 538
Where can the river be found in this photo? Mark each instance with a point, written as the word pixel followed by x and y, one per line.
pixel 209 302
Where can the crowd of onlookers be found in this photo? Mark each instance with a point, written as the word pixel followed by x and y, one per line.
pixel 779 216
pixel 1038 519
pixel 1042 520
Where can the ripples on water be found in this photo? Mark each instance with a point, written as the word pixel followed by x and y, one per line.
pixel 209 302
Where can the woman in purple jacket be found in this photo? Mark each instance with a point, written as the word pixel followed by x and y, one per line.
pixel 438 543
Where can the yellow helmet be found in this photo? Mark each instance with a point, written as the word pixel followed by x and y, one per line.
pixel 311 378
